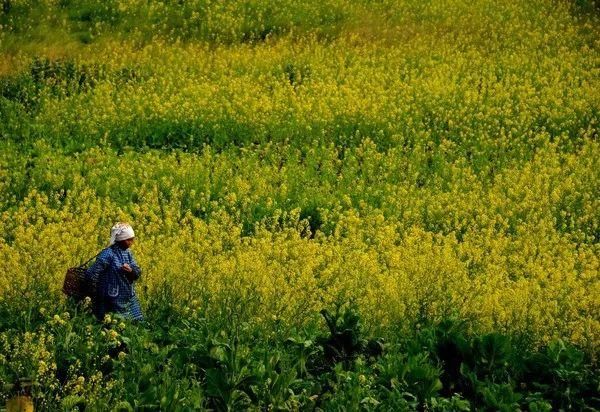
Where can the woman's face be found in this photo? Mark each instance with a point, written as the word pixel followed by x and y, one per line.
pixel 126 244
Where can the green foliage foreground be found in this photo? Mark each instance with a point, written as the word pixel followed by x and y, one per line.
pixel 181 360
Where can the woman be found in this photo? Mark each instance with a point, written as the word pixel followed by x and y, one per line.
pixel 113 273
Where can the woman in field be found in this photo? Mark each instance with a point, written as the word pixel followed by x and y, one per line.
pixel 113 273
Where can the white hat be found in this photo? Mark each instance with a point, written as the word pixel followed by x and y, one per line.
pixel 121 231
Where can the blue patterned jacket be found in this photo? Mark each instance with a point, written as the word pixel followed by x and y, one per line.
pixel 106 273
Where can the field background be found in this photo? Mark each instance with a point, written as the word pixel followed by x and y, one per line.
pixel 428 170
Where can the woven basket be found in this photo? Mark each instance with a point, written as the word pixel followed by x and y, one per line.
pixel 75 284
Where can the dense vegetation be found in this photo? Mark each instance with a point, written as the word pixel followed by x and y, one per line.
pixel 380 205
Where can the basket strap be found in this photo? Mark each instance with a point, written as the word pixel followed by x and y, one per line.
pixel 90 259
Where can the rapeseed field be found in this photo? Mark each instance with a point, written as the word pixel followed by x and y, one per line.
pixel 338 205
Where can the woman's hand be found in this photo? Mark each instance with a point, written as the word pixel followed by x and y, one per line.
pixel 128 272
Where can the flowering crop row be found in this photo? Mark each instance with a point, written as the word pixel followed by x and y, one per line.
pixel 519 252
